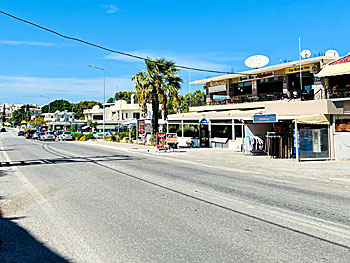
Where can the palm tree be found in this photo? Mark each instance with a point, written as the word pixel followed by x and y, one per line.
pixel 142 91
pixel 160 82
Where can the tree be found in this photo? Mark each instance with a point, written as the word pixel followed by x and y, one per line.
pixel 124 95
pixel 160 82
pixel 93 125
pixel 18 115
pixel 110 100
pixel 142 90
pixel 194 99
pixel 57 105
pixel 81 106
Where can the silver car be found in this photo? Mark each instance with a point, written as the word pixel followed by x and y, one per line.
pixel 66 136
pixel 48 136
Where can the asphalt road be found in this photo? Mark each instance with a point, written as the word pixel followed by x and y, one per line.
pixel 64 201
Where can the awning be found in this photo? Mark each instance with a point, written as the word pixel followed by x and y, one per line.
pixel 339 67
pixel 313 119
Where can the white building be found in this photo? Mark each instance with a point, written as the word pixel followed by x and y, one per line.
pixel 118 114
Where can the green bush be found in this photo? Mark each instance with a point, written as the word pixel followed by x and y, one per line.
pixel 122 135
pixel 89 136
pixel 77 136
pixel 113 138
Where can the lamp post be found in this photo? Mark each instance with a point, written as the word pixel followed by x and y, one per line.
pixel 48 99
pixel 104 97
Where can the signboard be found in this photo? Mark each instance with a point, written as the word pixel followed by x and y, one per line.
pixel 217 88
pixel 263 118
pixel 171 138
pixel 141 128
pixel 161 141
pixel 297 68
pixel 257 76
pixel 343 60
pixel 204 121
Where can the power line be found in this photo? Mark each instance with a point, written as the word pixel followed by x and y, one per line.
pixel 108 49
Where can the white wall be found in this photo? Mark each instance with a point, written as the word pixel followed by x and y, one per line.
pixel 342 145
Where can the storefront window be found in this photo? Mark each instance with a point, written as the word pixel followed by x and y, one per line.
pixel 175 128
pixel 314 142
pixel 191 130
pixel 221 131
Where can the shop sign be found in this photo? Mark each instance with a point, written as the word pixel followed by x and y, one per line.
pixel 204 121
pixel 217 88
pixel 171 138
pixel 264 75
pixel 317 81
pixel 263 118
pixel 246 78
pixel 297 69
pixel 161 141
pixel 141 129
pixel 341 61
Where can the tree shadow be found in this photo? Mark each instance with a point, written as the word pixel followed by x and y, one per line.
pixel 18 245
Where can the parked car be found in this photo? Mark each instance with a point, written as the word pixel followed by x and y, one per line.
pixel 20 133
pixel 48 136
pixel 41 134
pixel 35 135
pixel 3 129
pixel 67 135
pixel 29 134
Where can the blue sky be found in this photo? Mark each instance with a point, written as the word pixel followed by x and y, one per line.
pixel 216 35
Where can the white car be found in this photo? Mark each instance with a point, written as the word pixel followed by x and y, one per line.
pixel 67 136
pixel 48 136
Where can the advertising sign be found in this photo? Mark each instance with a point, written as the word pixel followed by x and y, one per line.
pixel 161 141
pixel 171 138
pixel 141 128
pixel 263 118
pixel 297 68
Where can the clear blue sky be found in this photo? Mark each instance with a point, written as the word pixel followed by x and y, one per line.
pixel 217 35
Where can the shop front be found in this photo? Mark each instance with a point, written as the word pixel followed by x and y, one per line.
pixel 268 135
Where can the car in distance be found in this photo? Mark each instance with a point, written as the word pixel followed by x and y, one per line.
pixel 20 133
pixel 48 136
pixel 3 129
pixel 35 135
pixel 29 134
pixel 66 135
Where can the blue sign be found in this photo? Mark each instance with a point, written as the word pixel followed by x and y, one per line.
pixel 263 118
pixel 204 121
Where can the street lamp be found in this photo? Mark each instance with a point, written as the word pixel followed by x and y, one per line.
pixel 104 97
pixel 48 99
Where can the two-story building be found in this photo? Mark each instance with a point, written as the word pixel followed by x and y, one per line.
pixel 263 111
pixel 120 115
pixel 62 120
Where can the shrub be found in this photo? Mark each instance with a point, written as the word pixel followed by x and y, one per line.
pixel 131 140
pixel 113 138
pixel 122 135
pixel 82 138
pixel 77 136
pixel 89 136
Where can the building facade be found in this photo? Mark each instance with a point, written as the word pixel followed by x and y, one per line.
pixel 284 111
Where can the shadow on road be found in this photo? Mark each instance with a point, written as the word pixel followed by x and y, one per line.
pixel 18 245
pixel 66 160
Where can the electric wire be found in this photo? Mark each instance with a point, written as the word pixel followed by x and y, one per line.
pixel 108 49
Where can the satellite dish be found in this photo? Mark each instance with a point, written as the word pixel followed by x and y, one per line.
pixel 256 61
pixel 305 53
pixel 332 53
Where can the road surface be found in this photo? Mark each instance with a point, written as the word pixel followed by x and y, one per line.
pixel 75 202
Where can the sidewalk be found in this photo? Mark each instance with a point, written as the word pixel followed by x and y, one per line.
pixel 335 172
